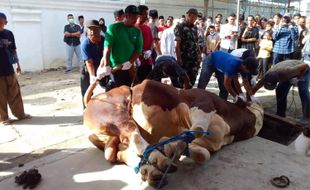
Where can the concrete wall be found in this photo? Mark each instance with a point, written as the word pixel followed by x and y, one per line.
pixel 38 24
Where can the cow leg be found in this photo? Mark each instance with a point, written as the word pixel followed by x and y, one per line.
pixel 174 148
pixel 198 154
pixel 200 120
pixel 111 148
pixel 99 143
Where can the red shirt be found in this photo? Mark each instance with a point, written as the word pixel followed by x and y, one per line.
pixel 147 41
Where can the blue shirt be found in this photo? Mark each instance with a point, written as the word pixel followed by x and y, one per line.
pixel 92 51
pixel 7 46
pixel 226 63
pixel 285 40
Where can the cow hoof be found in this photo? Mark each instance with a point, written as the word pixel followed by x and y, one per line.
pixel 174 149
pixel 163 163
pixel 198 154
pixel 152 175
pixel 96 141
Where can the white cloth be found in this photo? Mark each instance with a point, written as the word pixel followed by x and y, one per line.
pixel 103 71
pixel 126 66
pixel 92 79
pixel 255 100
pixel 226 30
pixel 238 52
pixel 167 42
pixel 147 54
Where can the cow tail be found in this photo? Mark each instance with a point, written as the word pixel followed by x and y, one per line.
pixel 89 93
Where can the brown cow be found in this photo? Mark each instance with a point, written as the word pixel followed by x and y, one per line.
pixel 124 121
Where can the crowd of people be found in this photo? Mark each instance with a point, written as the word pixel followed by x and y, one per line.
pixel 270 52
pixel 140 44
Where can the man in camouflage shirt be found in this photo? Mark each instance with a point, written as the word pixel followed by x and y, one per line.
pixel 187 48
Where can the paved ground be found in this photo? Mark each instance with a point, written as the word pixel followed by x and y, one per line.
pixel 54 139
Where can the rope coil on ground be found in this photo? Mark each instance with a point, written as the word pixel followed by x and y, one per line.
pixel 280 182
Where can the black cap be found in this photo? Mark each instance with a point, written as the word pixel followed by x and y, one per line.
pixel 192 11
pixel 2 15
pixel 131 9
pixel 92 23
pixel 118 13
pixel 153 13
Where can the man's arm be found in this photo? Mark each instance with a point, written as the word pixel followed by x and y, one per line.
pixel 76 34
pixel 178 52
pixel 258 85
pixel 105 61
pixel 227 83
pixel 247 86
pixel 90 67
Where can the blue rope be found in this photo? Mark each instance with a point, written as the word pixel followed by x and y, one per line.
pixel 186 136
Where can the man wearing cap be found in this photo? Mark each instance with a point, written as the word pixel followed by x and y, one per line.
pixel 281 77
pixel 145 60
pixel 166 66
pixel 122 46
pixel 187 48
pixel 72 34
pixel 92 51
pixel 9 88
pixel 119 15
pixel 227 67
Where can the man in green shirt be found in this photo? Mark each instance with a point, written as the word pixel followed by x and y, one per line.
pixel 122 46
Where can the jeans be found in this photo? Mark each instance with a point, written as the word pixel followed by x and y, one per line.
pixel 283 90
pixel 207 70
pixel 70 50
pixel 277 57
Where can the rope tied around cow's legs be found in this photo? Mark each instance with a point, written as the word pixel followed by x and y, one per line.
pixel 186 136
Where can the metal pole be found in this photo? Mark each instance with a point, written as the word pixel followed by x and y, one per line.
pixel 237 20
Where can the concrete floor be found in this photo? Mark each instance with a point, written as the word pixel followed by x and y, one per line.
pixel 242 166
pixel 55 142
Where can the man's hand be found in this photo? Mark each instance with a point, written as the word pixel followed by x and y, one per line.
pixel 138 62
pixel 126 66
pixel 240 100
pixel 147 54
pixel 18 70
pixel 255 100
pixel 103 71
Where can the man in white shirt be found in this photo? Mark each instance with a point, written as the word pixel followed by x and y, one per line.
pixel 229 34
pixel 167 40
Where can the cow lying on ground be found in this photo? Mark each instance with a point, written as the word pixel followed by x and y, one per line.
pixel 125 121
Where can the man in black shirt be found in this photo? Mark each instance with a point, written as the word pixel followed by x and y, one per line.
pixel 166 66
pixel 72 34
pixel 9 87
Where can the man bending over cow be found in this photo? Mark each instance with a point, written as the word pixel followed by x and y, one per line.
pixel 281 77
pixel 226 67
pixel 166 66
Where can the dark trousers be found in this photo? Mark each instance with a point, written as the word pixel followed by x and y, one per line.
pixel 206 72
pixel 263 65
pixel 143 71
pixel 122 78
pixel 282 91
pixel 277 57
